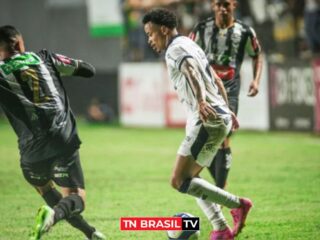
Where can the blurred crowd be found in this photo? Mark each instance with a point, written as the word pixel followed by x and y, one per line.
pixel 285 28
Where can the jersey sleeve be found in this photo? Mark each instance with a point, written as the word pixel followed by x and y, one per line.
pixel 66 66
pixel 252 47
pixel 176 55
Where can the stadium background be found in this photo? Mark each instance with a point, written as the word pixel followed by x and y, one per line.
pixel 288 83
pixel 289 100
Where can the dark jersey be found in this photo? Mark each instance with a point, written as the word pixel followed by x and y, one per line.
pixel 34 100
pixel 225 49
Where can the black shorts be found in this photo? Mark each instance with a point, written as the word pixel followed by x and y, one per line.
pixel 233 104
pixel 65 171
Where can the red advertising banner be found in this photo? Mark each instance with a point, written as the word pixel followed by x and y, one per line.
pixel 316 77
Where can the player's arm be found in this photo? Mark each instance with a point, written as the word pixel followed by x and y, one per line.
pixel 257 69
pixel 223 92
pixel 220 85
pixel 72 67
pixel 189 68
pixel 254 51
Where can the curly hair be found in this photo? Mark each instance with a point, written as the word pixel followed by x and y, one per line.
pixel 162 17
pixel 8 37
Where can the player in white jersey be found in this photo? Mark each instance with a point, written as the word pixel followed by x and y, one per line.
pixel 209 121
pixel 182 49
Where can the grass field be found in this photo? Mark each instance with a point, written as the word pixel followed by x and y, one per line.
pixel 127 174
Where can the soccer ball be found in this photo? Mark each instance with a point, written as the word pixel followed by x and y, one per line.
pixel 182 235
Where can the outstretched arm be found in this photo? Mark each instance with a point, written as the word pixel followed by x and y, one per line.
pixel 67 66
pixel 190 70
pixel 84 69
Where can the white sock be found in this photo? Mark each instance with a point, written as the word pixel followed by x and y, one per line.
pixel 213 213
pixel 202 189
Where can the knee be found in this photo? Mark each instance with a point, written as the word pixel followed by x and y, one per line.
pixel 182 185
pixel 79 202
pixel 175 182
pixel 42 190
pixel 72 205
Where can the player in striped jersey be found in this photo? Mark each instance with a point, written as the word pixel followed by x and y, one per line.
pixel 34 99
pixel 225 40
pixel 208 123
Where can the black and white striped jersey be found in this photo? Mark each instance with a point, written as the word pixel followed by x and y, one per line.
pixel 225 49
pixel 33 98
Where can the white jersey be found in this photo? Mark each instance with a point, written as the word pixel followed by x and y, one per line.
pixel 178 50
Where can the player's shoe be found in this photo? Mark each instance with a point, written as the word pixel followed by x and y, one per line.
pixel 44 221
pixel 239 215
pixel 97 236
pixel 225 234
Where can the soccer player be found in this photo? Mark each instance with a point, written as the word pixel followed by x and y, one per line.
pixel 312 26
pixel 225 40
pixel 34 100
pixel 209 121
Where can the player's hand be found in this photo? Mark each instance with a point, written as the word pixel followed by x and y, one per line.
pixel 235 122
pixel 206 111
pixel 253 89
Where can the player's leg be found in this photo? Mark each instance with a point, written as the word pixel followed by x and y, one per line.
pixel 61 207
pixel 204 190
pixel 200 188
pixel 201 144
pixel 220 166
pixel 65 208
pixel 52 196
pixel 186 169
pixel 184 180
pixel 68 174
pixel 38 175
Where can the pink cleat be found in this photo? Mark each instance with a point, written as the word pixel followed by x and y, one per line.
pixel 240 214
pixel 225 234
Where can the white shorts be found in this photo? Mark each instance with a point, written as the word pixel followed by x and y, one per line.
pixel 203 140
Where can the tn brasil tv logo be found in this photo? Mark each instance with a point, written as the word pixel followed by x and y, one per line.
pixel 159 223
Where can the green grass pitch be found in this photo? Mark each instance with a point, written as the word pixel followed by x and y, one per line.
pixel 127 173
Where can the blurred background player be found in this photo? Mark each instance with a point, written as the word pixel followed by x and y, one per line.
pixel 35 102
pixel 208 123
pixel 312 25
pixel 135 44
pixel 99 112
pixel 225 40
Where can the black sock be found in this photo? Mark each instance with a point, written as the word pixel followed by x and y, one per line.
pixel 68 207
pixel 52 198
pixel 212 168
pixel 80 223
pixel 219 168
